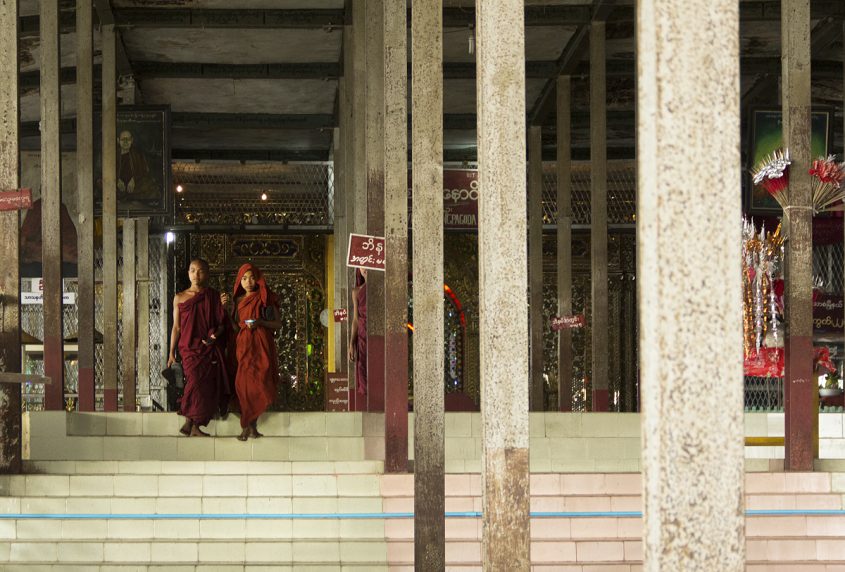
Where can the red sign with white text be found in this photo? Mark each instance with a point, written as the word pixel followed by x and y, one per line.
pixel 15 200
pixel 567 322
pixel 460 199
pixel 365 252
pixel 340 315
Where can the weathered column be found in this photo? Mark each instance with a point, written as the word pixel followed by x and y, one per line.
pixel 396 236
pixel 341 189
pixel 355 53
pixel 85 197
pixel 375 199
pixel 427 175
pixel 535 264
pixel 51 203
pixel 692 432
pixel 502 274
pixel 110 284
pixel 130 339
pixel 142 289
pixel 564 239
pixel 800 382
pixel 598 219
pixel 10 324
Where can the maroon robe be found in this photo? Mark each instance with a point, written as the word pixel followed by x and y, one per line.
pixel 361 342
pixel 206 381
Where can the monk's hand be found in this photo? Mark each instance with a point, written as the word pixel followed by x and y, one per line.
pixel 350 352
pixel 171 359
pixel 225 299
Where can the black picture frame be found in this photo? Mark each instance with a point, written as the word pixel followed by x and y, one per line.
pixel 143 171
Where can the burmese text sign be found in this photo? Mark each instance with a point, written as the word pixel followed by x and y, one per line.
pixel 365 252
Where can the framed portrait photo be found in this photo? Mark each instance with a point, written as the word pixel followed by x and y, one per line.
pixel 766 137
pixel 142 166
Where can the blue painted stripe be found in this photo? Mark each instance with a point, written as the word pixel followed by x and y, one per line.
pixel 373 515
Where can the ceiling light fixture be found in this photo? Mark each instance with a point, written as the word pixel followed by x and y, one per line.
pixel 263 196
pixel 179 188
pixel 471 40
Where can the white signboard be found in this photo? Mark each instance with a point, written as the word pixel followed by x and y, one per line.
pixel 68 298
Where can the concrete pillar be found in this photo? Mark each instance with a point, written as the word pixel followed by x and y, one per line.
pixel 341 189
pixel 357 203
pixel 109 174
pixel 598 218
pixel 503 270
pixel 427 174
pixel 347 134
pixel 142 289
pixel 688 267
pixel 564 239
pixel 396 236
pixel 51 203
pixel 129 334
pixel 85 197
pixel 535 264
pixel 10 324
pixel 375 199
pixel 800 388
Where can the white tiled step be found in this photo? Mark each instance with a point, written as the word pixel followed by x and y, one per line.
pixel 19 567
pixel 195 449
pixel 204 467
pixel 333 552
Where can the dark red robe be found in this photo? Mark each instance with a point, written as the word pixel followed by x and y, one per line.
pixel 206 381
pixel 361 342
pixel 258 362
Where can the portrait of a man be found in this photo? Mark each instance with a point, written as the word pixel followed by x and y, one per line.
pixel 142 162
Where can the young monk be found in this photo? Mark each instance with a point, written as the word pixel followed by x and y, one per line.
pixel 256 317
pixel 199 323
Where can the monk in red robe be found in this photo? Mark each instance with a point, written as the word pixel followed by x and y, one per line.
pixel 199 326
pixel 256 318
pixel 358 328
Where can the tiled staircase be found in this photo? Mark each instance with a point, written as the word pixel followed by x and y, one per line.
pixel 121 492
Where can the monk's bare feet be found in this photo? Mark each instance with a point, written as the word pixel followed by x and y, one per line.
pixel 244 434
pixel 186 428
pixel 253 431
pixel 197 432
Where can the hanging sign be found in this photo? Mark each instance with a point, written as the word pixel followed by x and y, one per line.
pixel 37 298
pixel 460 199
pixel 567 322
pixel 365 252
pixel 15 200
pixel 341 315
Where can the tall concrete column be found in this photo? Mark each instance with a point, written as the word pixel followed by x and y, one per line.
pixel 800 388
pixel 502 274
pixel 427 174
pixel 85 197
pixel 10 324
pixel 688 265
pixel 130 338
pixel 396 236
pixel 375 199
pixel 51 203
pixel 142 289
pixel 598 218
pixel 347 133
pixel 357 203
pixel 109 128
pixel 564 239
pixel 535 264
pixel 341 190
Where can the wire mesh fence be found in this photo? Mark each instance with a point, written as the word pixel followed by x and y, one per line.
pixel 621 193
pixel 284 194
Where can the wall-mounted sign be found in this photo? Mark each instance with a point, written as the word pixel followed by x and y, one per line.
pixel 341 315
pixel 15 200
pixel 365 252
pixel 337 392
pixel 33 298
pixel 567 322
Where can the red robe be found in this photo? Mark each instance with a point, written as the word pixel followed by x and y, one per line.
pixel 361 342
pixel 258 362
pixel 258 367
pixel 206 382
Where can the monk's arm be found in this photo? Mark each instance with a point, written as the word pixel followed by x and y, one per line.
pixel 275 321
pixel 174 333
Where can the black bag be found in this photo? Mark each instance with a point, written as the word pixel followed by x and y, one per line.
pixel 174 375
